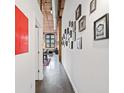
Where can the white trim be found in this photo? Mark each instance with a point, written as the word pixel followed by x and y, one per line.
pixel 73 85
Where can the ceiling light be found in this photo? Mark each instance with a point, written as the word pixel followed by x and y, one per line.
pixel 51 11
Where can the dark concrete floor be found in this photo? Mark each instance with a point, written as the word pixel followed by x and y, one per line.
pixel 55 79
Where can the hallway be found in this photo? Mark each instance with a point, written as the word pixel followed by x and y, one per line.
pixel 75 34
pixel 55 79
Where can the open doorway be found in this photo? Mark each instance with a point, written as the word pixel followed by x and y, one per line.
pixel 38 53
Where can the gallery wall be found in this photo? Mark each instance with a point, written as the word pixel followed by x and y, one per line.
pixel 25 62
pixel 87 68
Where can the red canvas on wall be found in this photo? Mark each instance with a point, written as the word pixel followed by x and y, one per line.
pixel 21 32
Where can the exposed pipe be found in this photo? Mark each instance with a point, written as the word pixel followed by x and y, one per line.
pixel 55 13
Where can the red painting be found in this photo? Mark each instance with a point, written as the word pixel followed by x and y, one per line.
pixel 21 32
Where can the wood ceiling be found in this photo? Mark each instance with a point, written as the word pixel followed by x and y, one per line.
pixel 46 7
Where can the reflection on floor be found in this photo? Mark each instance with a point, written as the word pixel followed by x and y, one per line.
pixel 55 79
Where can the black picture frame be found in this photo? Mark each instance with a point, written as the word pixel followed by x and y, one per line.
pixel 68 30
pixel 93 6
pixel 101 28
pixel 82 23
pixel 71 44
pixel 74 26
pixel 74 36
pixel 79 43
pixel 65 31
pixel 69 23
pixel 66 43
pixel 70 33
pixel 78 12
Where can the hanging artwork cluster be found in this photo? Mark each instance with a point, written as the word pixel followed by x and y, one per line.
pixel 101 27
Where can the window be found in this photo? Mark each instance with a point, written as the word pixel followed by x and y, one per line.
pixel 50 40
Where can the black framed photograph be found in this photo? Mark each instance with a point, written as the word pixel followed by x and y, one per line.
pixel 101 28
pixel 68 30
pixel 74 36
pixel 71 44
pixel 92 6
pixel 82 23
pixel 70 33
pixel 74 26
pixel 63 36
pixel 69 23
pixel 79 43
pixel 65 31
pixel 66 43
pixel 78 12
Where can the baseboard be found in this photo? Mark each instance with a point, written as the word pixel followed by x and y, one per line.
pixel 75 89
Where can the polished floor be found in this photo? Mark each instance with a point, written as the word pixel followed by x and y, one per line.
pixel 55 79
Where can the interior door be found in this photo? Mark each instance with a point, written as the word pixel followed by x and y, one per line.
pixel 37 54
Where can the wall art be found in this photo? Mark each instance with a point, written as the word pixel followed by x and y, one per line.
pixel 21 32
pixel 82 23
pixel 92 6
pixel 74 36
pixel 71 44
pixel 71 23
pixel 63 36
pixel 68 30
pixel 79 43
pixel 66 43
pixel 70 33
pixel 65 31
pixel 78 12
pixel 74 26
pixel 101 28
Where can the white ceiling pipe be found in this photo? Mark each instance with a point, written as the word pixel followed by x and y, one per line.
pixel 55 13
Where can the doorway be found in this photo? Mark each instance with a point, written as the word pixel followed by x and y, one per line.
pixel 38 52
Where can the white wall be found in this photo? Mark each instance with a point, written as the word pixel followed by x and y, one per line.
pixel 88 69
pixel 25 63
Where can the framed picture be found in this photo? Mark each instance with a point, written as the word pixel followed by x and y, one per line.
pixel 79 43
pixel 71 23
pixel 78 12
pixel 68 30
pixel 70 33
pixel 65 31
pixel 82 23
pixel 66 43
pixel 74 36
pixel 74 26
pixel 101 28
pixel 63 36
pixel 21 32
pixel 92 6
pixel 71 44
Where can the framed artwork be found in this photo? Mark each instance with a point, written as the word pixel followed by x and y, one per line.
pixel 74 36
pixel 71 44
pixel 92 6
pixel 78 12
pixel 71 23
pixel 68 30
pixel 79 43
pixel 101 28
pixel 63 36
pixel 82 23
pixel 70 33
pixel 74 26
pixel 21 32
pixel 66 43
pixel 65 31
